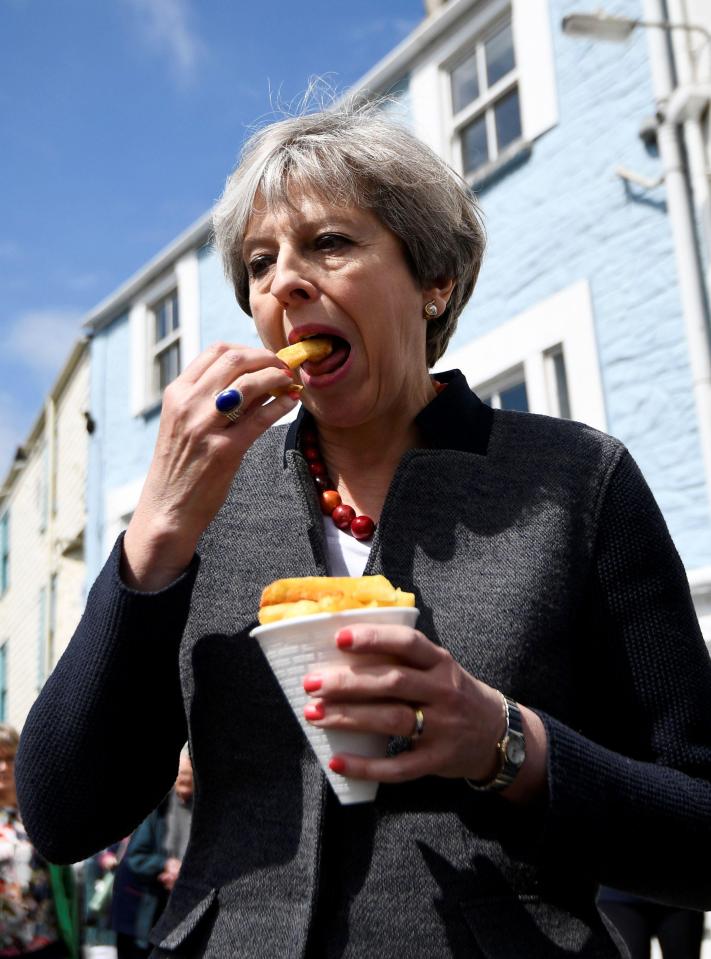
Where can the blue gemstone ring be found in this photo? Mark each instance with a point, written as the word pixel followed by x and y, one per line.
pixel 229 402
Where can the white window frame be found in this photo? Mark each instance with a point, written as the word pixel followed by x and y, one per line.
pixel 529 341
pixel 157 347
pixel 183 277
pixel 430 91
pixel 700 584
pixel 483 105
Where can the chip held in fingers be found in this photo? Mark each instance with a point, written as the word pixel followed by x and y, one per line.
pixel 305 596
pixel 315 349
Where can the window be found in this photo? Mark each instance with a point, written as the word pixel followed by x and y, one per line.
pixel 486 113
pixel 509 393
pixel 4 552
pixel 3 682
pixel 543 360
pixel 165 323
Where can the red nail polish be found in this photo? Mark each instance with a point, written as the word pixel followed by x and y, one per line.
pixel 314 711
pixel 312 683
pixel 336 764
pixel 344 638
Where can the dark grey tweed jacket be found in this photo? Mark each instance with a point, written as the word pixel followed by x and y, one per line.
pixel 541 561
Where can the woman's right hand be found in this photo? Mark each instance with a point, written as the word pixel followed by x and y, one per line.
pixel 198 452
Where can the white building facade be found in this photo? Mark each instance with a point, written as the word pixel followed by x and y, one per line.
pixel 42 530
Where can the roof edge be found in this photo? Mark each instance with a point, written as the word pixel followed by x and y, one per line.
pixel 389 68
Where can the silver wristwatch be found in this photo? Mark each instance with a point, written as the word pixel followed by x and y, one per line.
pixel 511 749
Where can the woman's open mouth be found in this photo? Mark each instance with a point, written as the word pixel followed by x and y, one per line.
pixel 329 364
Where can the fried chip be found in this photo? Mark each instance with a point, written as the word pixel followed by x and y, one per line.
pixel 304 596
pixel 317 348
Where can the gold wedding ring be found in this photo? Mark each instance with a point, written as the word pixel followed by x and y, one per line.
pixel 419 726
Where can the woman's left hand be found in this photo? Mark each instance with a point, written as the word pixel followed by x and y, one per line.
pixel 463 717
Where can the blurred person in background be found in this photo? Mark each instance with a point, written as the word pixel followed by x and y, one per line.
pixel 38 901
pixel 549 719
pixel 151 865
pixel 98 873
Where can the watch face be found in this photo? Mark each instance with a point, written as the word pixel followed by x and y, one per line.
pixel 515 750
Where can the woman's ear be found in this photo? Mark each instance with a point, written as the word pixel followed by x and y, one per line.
pixel 439 294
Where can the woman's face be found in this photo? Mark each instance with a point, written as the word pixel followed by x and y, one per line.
pixel 318 268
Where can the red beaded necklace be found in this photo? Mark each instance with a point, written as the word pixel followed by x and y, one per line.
pixel 344 516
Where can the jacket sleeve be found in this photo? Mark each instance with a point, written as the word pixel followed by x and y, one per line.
pixel 634 811
pixel 112 701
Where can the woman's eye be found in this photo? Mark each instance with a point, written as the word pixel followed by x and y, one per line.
pixel 331 242
pixel 258 265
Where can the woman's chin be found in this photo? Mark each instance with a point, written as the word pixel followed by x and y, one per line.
pixel 347 412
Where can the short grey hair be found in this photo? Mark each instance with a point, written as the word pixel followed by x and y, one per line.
pixel 356 155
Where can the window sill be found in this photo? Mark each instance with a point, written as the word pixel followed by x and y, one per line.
pixel 514 156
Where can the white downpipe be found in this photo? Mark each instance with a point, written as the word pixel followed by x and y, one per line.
pixel 690 77
pixel 691 280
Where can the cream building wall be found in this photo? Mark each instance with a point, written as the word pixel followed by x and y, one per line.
pixel 28 570
pixel 44 495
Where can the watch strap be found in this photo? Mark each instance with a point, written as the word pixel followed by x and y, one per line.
pixel 511 749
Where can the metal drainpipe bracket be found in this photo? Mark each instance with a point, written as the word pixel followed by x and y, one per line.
pixel 631 177
pixel 687 102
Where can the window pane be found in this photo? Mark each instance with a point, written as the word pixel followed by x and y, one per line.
pixel 174 311
pixel 166 316
pixel 465 84
pixel 168 365
pixel 474 149
pixel 508 119
pixel 515 398
pixel 561 385
pixel 499 55
pixel 161 313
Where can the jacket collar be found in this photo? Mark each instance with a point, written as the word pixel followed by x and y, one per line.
pixel 456 419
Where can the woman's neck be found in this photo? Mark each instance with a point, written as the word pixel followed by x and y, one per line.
pixel 362 460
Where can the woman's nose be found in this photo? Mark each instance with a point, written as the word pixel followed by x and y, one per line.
pixel 291 283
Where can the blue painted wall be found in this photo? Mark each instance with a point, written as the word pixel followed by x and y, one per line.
pixel 220 317
pixel 122 444
pixel 563 215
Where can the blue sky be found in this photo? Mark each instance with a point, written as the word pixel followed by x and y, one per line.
pixel 119 121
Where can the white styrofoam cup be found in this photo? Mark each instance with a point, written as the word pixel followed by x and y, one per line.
pixel 295 647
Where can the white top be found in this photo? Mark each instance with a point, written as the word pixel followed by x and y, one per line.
pixel 347 555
